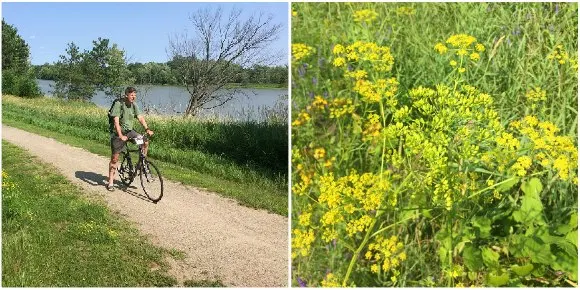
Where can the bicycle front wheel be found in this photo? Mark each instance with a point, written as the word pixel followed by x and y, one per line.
pixel 126 170
pixel 151 181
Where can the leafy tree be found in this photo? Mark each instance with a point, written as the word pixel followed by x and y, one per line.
pixel 108 68
pixel 72 79
pixel 17 75
pixel 205 63
pixel 80 74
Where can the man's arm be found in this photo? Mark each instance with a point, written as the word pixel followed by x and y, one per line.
pixel 144 123
pixel 118 129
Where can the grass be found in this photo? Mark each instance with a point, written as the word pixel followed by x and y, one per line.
pixel 54 237
pixel 186 151
pixel 518 37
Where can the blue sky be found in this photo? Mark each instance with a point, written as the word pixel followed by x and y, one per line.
pixel 142 29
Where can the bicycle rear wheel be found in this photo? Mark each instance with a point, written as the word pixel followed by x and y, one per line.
pixel 126 170
pixel 151 181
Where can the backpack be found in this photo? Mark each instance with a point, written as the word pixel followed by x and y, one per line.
pixel 111 118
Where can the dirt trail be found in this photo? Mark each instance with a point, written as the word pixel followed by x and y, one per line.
pixel 242 247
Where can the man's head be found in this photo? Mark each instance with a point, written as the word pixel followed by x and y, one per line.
pixel 130 94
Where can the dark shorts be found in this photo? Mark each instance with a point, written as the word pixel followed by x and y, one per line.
pixel 117 144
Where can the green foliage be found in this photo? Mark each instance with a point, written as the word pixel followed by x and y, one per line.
pixel 15 51
pixel 17 77
pixel 78 75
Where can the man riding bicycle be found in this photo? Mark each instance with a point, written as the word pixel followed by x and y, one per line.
pixel 121 129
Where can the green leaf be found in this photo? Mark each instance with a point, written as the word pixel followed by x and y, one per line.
pixel 484 225
pixel 490 258
pixel 532 188
pixel 566 263
pixel 472 258
pixel 522 270
pixel 567 246
pixel 531 210
pixel 538 251
pixel 508 185
pixel 563 229
pixel 573 237
pixel 574 220
pixel 497 281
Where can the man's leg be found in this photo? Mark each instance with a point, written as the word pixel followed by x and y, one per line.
pixel 113 167
pixel 116 147
pixel 145 146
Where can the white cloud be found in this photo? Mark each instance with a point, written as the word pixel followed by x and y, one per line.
pixel 32 37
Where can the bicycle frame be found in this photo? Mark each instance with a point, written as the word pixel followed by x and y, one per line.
pixel 140 160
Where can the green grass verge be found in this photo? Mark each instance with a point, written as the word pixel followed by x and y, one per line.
pixel 247 194
pixel 51 236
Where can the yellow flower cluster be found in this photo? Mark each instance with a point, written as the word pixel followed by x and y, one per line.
pixel 340 107
pixel 374 92
pixel 365 15
pixel 386 255
pixel 549 150
pixel 463 45
pixel 319 153
pixel 372 128
pixel 379 57
pixel 366 191
pixel 441 48
pixel 406 10
pixel 508 141
pixel 301 242
pixel 536 95
pixel 319 103
pixel 6 183
pixel 461 40
pixel 301 51
pixel 330 281
pixel 559 54
pixel 522 165
pixel 302 118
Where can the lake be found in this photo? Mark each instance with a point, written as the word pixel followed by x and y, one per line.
pixel 247 104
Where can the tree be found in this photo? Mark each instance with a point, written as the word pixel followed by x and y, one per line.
pixel 205 63
pixel 107 67
pixel 80 74
pixel 72 80
pixel 17 74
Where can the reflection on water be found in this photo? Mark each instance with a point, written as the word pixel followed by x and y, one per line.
pixel 249 104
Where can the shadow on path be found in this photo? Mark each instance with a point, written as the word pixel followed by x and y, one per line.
pixel 96 179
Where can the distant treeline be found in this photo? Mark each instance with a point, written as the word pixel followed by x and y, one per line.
pixel 161 74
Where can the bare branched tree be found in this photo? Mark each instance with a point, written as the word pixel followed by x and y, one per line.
pixel 216 53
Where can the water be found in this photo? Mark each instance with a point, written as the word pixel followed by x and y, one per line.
pixel 247 104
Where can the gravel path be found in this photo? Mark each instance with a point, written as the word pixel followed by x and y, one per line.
pixel 242 247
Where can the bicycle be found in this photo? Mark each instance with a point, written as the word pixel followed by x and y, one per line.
pixel 151 180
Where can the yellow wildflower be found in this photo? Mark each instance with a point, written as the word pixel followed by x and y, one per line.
pixel 330 281
pixel 319 153
pixel 474 56
pixel 440 48
pixel 301 51
pixel 365 15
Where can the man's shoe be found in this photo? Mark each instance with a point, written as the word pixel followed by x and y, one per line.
pixel 110 187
